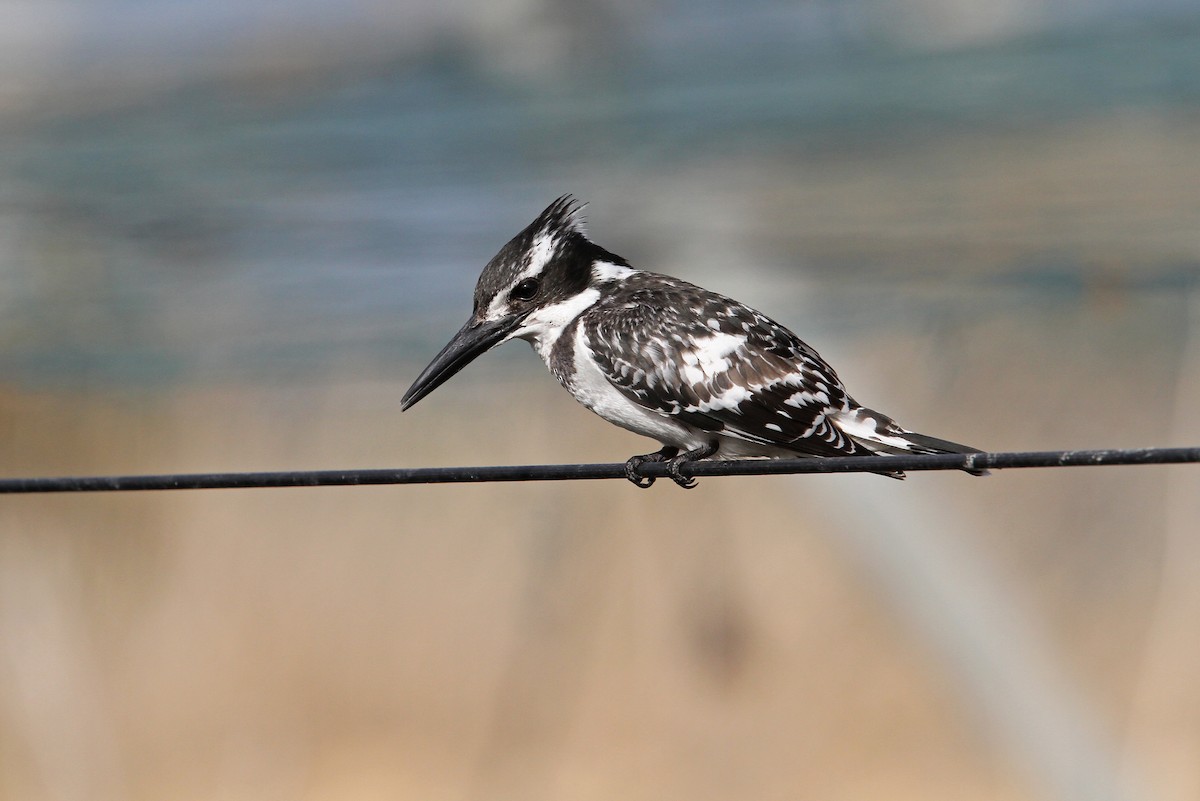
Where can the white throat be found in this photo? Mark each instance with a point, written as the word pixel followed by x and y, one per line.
pixel 543 327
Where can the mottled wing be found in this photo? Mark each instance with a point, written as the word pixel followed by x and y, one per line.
pixel 718 365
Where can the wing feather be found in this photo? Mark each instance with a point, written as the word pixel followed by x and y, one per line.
pixel 718 365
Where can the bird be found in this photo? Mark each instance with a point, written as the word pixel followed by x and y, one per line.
pixel 706 376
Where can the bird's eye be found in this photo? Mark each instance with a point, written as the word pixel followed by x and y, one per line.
pixel 525 290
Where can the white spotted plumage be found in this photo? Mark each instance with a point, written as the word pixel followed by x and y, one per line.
pixel 704 375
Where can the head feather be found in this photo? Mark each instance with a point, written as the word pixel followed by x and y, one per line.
pixel 552 248
pixel 562 217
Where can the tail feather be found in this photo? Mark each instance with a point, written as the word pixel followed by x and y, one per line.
pixel 935 445
pixel 881 434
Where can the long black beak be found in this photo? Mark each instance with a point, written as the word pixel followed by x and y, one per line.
pixel 472 340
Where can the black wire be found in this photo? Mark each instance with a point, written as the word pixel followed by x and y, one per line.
pixel 569 472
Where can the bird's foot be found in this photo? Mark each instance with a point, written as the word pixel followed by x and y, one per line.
pixel 634 462
pixel 703 452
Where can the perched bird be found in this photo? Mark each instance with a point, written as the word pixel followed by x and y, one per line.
pixel 705 375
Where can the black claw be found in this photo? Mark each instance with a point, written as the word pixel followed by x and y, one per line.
pixel 674 460
pixel 631 473
pixel 688 482
pixel 634 462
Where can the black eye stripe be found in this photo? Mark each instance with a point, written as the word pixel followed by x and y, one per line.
pixel 525 290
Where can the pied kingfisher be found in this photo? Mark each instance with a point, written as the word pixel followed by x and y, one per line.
pixel 706 376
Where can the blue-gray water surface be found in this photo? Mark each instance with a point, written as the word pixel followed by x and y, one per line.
pixel 218 230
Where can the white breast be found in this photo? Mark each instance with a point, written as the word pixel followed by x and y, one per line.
pixel 591 388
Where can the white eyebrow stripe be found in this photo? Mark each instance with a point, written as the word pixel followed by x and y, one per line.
pixel 544 248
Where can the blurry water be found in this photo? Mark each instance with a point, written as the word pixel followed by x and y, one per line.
pixel 223 229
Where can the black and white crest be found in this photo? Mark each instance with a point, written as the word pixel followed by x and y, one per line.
pixel 552 251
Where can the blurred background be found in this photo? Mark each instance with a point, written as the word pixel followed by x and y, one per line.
pixel 231 233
